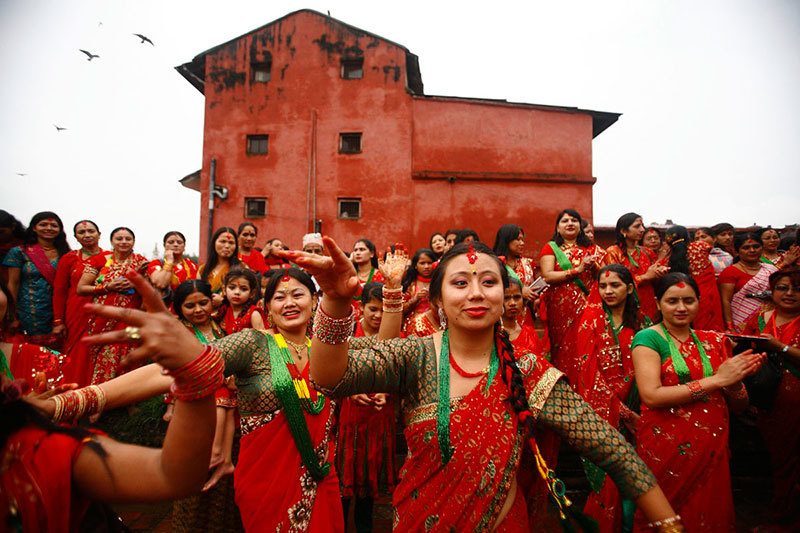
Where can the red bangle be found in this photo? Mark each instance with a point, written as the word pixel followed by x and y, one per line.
pixel 697 390
pixel 200 377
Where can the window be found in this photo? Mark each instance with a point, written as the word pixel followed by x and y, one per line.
pixel 257 144
pixel 352 69
pixel 255 207
pixel 350 208
pixel 350 143
pixel 261 72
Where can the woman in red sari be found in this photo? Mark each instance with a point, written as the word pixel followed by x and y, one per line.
pixel 686 379
pixel 175 268
pixel 469 403
pixel 420 319
pixel 692 258
pixel 254 259
pixel 607 327
pixel 223 254
pixel 70 318
pixel 104 280
pixel 365 261
pixel 365 443
pixel 568 263
pixel 509 243
pixel 780 425
pixel 522 335
pixel 641 261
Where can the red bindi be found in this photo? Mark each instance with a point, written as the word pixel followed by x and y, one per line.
pixel 680 285
pixel 472 256
pixel 608 273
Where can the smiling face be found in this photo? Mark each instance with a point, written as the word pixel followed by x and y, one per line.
pixel 47 229
pixel 87 235
pixel 770 240
pixel 786 295
pixel 472 294
pixel 225 245
pixel 613 290
pixel 176 244
pixel 438 244
pixel 238 291
pixel 679 305
pixel 197 308
pixel 512 302
pixel 247 238
pixel 290 306
pixel 569 227
pixel 703 236
pixel 361 254
pixel 122 241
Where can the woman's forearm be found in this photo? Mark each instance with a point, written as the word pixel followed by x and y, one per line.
pixel 329 361
pixel 667 396
pixel 654 505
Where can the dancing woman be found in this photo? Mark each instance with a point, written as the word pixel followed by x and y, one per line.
pixel 104 279
pixel 686 380
pixel 568 264
pixel 469 407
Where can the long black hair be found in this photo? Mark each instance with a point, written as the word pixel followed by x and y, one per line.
pixel 186 289
pixel 60 242
pixel 740 238
pixel 7 220
pixel 673 278
pixel 213 257
pixel 509 371
pixel 582 239
pixel 462 235
pixel 630 314
pixel 677 237
pixel 293 272
pixel 411 274
pixel 371 247
pixel 506 234
pixel 623 223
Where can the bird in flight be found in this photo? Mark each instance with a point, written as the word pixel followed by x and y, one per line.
pixel 89 55
pixel 22 174
pixel 144 39
pixel 59 128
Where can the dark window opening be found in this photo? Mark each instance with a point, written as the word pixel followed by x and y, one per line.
pixel 350 208
pixel 261 72
pixel 353 69
pixel 255 207
pixel 257 144
pixel 350 143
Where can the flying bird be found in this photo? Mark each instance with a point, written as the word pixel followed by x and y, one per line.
pixel 144 39
pixel 59 128
pixel 89 55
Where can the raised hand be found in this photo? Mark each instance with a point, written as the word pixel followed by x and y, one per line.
pixel 334 272
pixel 737 368
pixel 394 266
pixel 157 334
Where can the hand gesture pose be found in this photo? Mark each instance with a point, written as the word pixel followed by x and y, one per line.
pixel 394 266
pixel 334 272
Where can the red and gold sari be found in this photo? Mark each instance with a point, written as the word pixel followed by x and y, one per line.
pixel 709 316
pixel 41 367
pixel 686 446
pixel 68 308
pixel 606 380
pixel 420 321
pixel 638 263
pixel 527 341
pixel 564 303
pixel 780 426
pixel 105 359
pixel 183 270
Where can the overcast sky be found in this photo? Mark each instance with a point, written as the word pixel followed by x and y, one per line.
pixel 708 91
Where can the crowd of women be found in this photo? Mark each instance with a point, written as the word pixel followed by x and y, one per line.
pixel 633 355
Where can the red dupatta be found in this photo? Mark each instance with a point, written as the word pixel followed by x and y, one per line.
pixel 36 254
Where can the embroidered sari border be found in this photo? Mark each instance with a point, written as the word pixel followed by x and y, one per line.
pixel 538 396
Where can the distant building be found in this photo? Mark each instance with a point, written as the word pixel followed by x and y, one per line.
pixel 309 119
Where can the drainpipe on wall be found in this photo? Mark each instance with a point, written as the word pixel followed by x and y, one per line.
pixel 213 190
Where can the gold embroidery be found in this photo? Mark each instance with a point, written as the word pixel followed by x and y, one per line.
pixel 542 389
pixel 428 412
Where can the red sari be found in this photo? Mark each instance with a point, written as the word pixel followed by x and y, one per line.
pixel 780 426
pixel 254 261
pixel 564 303
pixel 420 321
pixel 638 263
pixel 36 475
pixel 28 361
pixel 68 307
pixel 709 316
pixel 606 380
pixel 365 447
pixel 105 359
pixel 182 271
pixel 374 276
pixel 686 446
pixel 233 324
pixel 468 493
pixel 527 341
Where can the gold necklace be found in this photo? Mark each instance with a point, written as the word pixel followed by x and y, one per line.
pixel 298 346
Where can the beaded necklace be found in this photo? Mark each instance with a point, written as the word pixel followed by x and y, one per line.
pixel 295 396
pixel 679 363
pixel 215 331
pixel 443 405
pixel 614 329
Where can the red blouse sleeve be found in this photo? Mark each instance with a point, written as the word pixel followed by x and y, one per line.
pixel 546 250
pixel 734 276
pixel 61 285
pixel 153 266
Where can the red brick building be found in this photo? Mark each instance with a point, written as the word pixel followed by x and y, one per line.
pixel 310 119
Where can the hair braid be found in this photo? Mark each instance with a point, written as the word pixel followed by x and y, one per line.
pixel 513 379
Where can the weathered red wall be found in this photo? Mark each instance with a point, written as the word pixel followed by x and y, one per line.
pixel 511 163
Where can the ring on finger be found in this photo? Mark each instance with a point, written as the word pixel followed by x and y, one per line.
pixel 133 333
